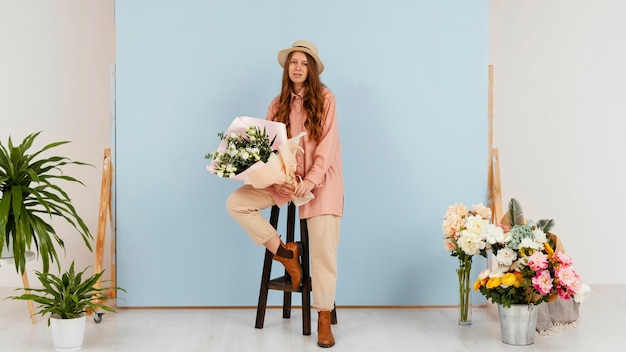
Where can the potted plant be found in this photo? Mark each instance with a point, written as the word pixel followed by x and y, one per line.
pixel 529 270
pixel 66 298
pixel 30 198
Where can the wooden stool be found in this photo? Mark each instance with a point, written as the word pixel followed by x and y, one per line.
pixel 283 283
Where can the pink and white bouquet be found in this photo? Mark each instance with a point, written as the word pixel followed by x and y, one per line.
pixel 257 152
pixel 465 231
pixel 529 265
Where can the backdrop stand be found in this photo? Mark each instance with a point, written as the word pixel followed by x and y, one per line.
pixel 103 214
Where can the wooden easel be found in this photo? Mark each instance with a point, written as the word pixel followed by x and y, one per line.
pixel 31 308
pixel 493 178
pixel 103 214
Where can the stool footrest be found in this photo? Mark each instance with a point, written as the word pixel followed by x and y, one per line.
pixel 283 283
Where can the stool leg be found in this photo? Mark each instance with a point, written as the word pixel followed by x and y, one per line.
pixel 306 279
pixel 291 218
pixel 265 277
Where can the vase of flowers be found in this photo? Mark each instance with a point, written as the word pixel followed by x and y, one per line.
pixel 464 233
pixel 526 270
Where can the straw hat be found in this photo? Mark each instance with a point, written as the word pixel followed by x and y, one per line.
pixel 305 47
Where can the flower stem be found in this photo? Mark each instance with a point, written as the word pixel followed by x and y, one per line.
pixel 463 272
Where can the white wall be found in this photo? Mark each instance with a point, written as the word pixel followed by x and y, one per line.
pixel 559 105
pixel 54 70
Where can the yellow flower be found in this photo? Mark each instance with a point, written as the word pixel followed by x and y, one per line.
pixel 493 282
pixel 549 250
pixel 479 283
pixel 519 279
pixel 509 279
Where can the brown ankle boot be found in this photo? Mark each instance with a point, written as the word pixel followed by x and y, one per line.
pixel 324 334
pixel 291 264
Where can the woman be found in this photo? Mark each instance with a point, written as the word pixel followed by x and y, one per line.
pixel 304 104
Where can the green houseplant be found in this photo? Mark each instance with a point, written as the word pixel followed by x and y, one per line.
pixel 30 198
pixel 65 299
pixel 68 295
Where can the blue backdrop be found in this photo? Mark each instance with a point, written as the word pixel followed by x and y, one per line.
pixel 410 80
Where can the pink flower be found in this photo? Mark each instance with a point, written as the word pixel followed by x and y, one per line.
pixel 482 211
pixel 452 225
pixel 538 261
pixel 563 258
pixel 566 276
pixel 563 293
pixel 543 282
pixel 449 244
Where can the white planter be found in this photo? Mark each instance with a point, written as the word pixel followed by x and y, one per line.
pixel 68 334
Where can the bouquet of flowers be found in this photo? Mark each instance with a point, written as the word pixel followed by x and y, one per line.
pixel 465 231
pixel 464 234
pixel 257 152
pixel 245 146
pixel 527 268
pixel 242 151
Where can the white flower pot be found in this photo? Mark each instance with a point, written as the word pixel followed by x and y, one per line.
pixel 67 334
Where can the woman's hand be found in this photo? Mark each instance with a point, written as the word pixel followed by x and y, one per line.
pixel 303 188
pixel 286 189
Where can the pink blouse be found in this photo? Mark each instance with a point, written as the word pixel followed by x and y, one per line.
pixel 320 162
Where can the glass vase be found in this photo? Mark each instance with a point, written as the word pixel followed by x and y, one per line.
pixel 465 293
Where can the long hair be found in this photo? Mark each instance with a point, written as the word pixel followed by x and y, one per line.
pixel 313 100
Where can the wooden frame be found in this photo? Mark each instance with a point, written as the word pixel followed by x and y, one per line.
pixel 103 214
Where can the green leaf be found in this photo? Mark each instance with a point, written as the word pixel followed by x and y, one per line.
pixel 516 213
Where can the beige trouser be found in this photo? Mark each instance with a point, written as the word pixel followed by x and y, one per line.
pixel 245 204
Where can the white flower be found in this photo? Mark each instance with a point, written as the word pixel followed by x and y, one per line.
pixel 484 274
pixel 476 224
pixel 499 272
pixel 495 234
pixel 232 150
pixel 530 243
pixel 506 256
pixel 540 236
pixel 582 294
pixel 470 242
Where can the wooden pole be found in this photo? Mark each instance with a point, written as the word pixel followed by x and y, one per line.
pixel 490 106
pixel 493 173
pixel 104 210
pixel 496 192
pixel 31 308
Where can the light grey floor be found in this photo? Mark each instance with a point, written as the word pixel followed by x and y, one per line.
pixel 602 327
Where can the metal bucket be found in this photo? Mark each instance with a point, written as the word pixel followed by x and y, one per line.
pixel 518 323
